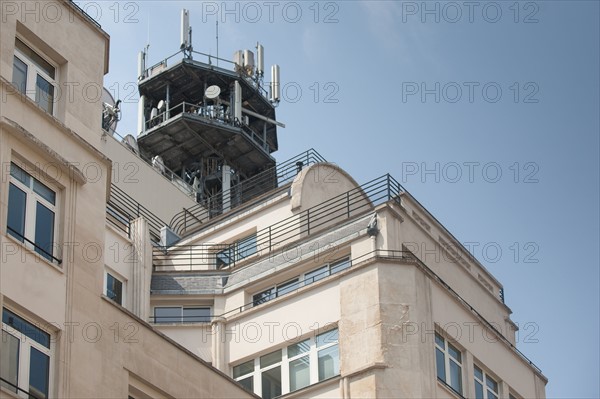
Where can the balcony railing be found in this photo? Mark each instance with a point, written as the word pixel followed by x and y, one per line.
pixel 121 209
pixel 210 114
pixel 335 210
pixel 191 219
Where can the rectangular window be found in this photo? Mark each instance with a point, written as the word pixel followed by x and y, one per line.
pixel 485 386
pixel 306 362
pixel 114 288
pixel 31 212
pixel 178 314
pixel 25 356
pixel 448 362
pixel 237 251
pixel 34 76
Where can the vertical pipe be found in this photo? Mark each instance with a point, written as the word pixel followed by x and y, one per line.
pixel 226 188
pixel 168 103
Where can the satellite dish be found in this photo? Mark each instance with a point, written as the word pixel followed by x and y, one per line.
pixel 131 143
pixel 212 92
pixel 158 164
pixel 111 114
pixel 161 105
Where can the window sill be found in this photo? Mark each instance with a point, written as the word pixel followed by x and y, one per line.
pixel 37 257
pixel 8 393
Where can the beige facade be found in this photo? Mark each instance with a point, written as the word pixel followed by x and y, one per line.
pixel 319 287
pixel 61 335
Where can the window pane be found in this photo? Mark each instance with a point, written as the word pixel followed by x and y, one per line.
pixel 114 289
pixel 271 383
pixel 20 174
pixel 223 258
pixel 288 287
pixel 44 231
pixel 9 361
pixel 300 347
pixel 478 373
pixel 167 315
pixel 329 362
pixel 247 383
pixel 44 94
pixel 44 192
pixel 493 385
pixel 263 297
pixel 299 373
pixel 440 341
pixel 26 328
pixel 340 266
pixel 17 200
pixel 440 364
pixel 246 247
pixel 39 367
pixel 270 359
pixel 243 369
pixel 455 376
pixel 328 337
pixel 19 78
pixel 455 353
pixel 478 390
pixel 36 59
pixel 316 275
pixel 196 315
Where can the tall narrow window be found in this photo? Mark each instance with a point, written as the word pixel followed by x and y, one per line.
pixel 485 386
pixel 34 76
pixel 448 361
pixel 31 212
pixel 114 288
pixel 25 356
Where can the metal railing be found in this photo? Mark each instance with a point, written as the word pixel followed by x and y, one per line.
pixel 191 219
pixel 16 389
pixel 334 210
pixel 121 209
pixel 41 251
pixel 212 62
pixel 207 113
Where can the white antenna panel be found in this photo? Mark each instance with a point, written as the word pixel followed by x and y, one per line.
pixel 185 29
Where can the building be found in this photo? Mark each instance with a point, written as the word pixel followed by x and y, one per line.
pixel 177 262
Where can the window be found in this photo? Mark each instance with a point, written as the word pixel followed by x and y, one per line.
pixel 275 292
pixel 114 288
pixel 448 362
pixel 306 362
pixel 485 386
pixel 307 279
pixel 178 314
pixel 25 356
pixel 237 251
pixel 31 212
pixel 34 76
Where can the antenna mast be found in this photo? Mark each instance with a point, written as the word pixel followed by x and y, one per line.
pixel 217 20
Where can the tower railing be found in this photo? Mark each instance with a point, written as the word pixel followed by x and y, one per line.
pixel 191 219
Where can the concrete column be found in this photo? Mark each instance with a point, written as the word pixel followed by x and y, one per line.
pixel 218 345
pixel 141 268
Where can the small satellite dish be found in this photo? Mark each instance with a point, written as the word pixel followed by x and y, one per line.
pixel 111 113
pixel 212 92
pixel 131 143
pixel 158 163
pixel 161 105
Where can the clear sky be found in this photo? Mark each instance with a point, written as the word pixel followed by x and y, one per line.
pixel 487 112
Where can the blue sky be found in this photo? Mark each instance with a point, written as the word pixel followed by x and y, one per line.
pixel 488 114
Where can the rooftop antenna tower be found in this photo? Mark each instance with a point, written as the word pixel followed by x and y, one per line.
pixel 214 127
